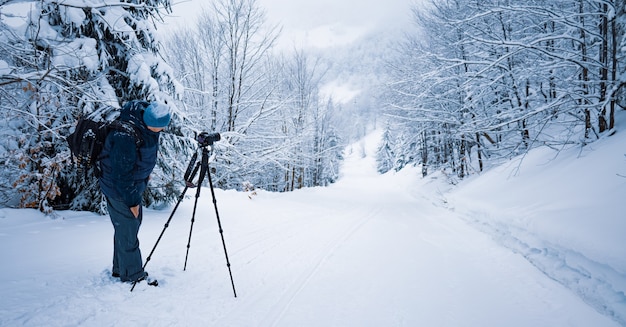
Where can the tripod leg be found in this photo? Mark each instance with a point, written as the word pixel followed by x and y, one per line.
pixel 219 224
pixel 188 179
pixel 195 206
pixel 204 170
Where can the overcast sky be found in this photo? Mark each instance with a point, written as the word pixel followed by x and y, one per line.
pixel 318 23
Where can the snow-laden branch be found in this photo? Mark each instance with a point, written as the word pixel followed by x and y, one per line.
pixel 96 4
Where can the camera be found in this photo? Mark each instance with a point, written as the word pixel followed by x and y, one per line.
pixel 206 139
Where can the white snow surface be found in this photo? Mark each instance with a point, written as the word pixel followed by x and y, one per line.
pixel 531 243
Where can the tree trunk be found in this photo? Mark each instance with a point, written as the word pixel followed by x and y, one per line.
pixel 604 71
pixel 424 154
pixel 479 152
pixel 584 77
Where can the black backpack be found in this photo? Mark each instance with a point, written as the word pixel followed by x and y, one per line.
pixel 87 141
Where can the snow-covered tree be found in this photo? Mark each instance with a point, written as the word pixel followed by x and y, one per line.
pixel 491 79
pixel 385 153
pixel 619 70
pixel 278 132
pixel 73 58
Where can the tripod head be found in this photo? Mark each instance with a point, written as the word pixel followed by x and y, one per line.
pixel 205 139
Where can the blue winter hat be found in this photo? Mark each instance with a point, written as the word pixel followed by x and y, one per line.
pixel 156 115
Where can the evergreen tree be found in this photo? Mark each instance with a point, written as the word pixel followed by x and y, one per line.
pixel 89 59
pixel 385 154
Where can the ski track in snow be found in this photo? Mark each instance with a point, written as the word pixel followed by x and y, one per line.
pixel 598 284
pixel 309 260
pixel 314 262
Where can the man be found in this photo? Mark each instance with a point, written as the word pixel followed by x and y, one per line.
pixel 126 169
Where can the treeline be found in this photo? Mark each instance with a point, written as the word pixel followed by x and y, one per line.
pixel 485 80
pixel 62 60
pixel 281 135
pixel 479 82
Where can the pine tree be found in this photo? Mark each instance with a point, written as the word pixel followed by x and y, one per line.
pixel 85 59
pixel 385 154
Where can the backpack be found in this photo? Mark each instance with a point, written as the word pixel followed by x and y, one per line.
pixel 87 141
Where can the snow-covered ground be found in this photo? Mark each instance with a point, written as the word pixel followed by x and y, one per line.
pixel 536 244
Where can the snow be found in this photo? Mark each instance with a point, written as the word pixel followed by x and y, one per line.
pixel 75 16
pixel 139 71
pixel 531 243
pixel 78 53
pixel 5 69
pixel 114 17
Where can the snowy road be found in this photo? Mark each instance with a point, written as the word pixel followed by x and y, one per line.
pixel 365 253
pixel 368 251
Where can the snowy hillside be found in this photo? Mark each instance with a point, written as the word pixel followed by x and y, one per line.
pixel 532 244
pixel 567 219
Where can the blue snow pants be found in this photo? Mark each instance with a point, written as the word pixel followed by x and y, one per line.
pixel 126 253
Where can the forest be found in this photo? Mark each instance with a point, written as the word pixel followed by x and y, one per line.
pixel 471 84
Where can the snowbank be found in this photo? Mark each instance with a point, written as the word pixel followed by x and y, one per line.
pixel 564 212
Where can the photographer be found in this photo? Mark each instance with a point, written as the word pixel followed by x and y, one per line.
pixel 126 166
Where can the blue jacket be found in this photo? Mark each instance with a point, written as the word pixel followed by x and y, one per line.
pixel 126 169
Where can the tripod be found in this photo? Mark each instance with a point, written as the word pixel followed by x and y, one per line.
pixel 190 174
